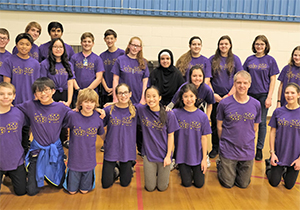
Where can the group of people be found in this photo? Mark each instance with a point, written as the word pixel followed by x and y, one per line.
pixel 153 111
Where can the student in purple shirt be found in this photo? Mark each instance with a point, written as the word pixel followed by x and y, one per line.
pixel 263 69
pixel 84 127
pixel 58 68
pixel 45 157
pixel 158 128
pixel 194 57
pixel 4 39
pixel 88 66
pixel 119 144
pixel 238 118
pixel 191 138
pixel 109 58
pixel 11 150
pixel 132 70
pixel 224 64
pixel 34 29
pixel 204 92
pixel 290 73
pixel 55 30
pixel 285 140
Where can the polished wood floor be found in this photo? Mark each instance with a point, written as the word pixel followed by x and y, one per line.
pixel 259 194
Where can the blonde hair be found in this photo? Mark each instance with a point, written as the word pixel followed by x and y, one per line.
pixel 35 25
pixel 141 60
pixel 87 95
pixel 87 35
pixel 131 107
pixel 8 85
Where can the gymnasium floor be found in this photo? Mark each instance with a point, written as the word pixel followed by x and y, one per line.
pixel 259 194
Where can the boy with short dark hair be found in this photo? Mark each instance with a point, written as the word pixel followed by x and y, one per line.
pixel 55 30
pixel 4 39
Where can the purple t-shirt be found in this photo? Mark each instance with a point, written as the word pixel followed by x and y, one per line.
pixel 205 94
pixel 188 144
pixel 222 82
pixel 155 135
pixel 11 150
pixel 109 59
pixel 86 72
pixel 34 52
pixel 201 61
pixel 287 75
pixel 130 73
pixel 60 78
pixel 3 56
pixel 287 139
pixel 83 136
pixel 260 69
pixel 22 72
pixel 238 135
pixel 120 141
pixel 46 121
pixel 44 49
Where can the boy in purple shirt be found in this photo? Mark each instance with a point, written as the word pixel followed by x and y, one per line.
pixel 4 39
pixel 109 57
pixel 11 150
pixel 34 29
pixel 84 127
pixel 45 156
pixel 237 121
pixel 55 30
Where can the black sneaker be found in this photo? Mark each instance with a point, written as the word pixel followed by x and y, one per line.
pixel 66 144
pixel 65 157
pixel 258 155
pixel 102 149
pixel 213 153
pixel 268 165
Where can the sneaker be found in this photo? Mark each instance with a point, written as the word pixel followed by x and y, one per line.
pixel 173 165
pixel 116 173
pixel 213 153
pixel 208 161
pixel 268 164
pixel 258 155
pixel 66 144
pixel 102 149
pixel 284 172
pixel 218 164
pixel 65 157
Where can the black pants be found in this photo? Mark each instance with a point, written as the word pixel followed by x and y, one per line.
pixel 139 138
pixel 108 173
pixel 189 174
pixel 62 96
pixel 32 188
pixel 105 99
pixel 25 138
pixel 18 178
pixel 275 173
pixel 214 135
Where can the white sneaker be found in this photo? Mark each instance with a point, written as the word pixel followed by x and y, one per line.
pixel 208 161
pixel 173 165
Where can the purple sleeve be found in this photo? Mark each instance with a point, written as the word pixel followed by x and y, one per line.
pixel 44 68
pixel 207 69
pixel 273 68
pixel 100 129
pixel 258 116
pixel 107 115
pixel 272 122
pixel 210 98
pixel 220 112
pixel 245 64
pixel 116 68
pixel 6 69
pixel 15 50
pixel 146 71
pixel 283 73
pixel 206 129
pixel 99 65
pixel 238 64
pixel 172 124
pixel 72 69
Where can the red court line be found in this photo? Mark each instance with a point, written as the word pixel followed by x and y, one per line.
pixel 139 188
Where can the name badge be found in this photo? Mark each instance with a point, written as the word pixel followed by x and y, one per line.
pixel 85 62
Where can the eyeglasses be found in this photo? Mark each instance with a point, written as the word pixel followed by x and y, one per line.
pixel 58 47
pixel 3 38
pixel 123 93
pixel 47 90
pixel 135 46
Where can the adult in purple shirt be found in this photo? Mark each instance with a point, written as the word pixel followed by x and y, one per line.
pixel 158 128
pixel 55 30
pixel 11 150
pixel 285 140
pixel 109 58
pixel 263 69
pixel 60 70
pixel 194 57
pixel 290 73
pixel 224 64
pixel 120 141
pixel 132 70
pixel 191 138
pixel 4 39
pixel 34 29
pixel 238 118
pixel 205 93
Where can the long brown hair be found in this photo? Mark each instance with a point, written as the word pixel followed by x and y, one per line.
pixel 141 60
pixel 215 65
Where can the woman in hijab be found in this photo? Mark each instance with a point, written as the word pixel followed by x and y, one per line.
pixel 166 77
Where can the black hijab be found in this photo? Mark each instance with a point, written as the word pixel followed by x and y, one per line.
pixel 167 80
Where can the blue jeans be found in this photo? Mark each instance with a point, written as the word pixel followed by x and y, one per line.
pixel 262 129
